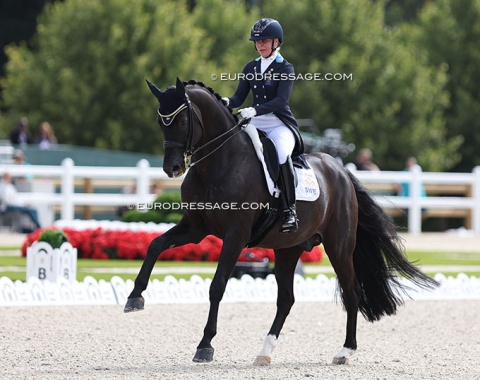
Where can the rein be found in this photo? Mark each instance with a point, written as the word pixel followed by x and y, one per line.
pixel 188 145
pixel 242 124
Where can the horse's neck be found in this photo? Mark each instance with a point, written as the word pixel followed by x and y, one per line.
pixel 227 155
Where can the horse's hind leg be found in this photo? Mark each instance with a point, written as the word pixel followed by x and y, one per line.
pixel 177 235
pixel 285 263
pixel 340 252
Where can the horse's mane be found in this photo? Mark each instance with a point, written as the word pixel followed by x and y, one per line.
pixel 216 95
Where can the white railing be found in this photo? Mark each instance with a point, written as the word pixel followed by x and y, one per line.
pixel 67 173
pixel 466 183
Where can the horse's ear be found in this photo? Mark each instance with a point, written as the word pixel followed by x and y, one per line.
pixel 155 90
pixel 180 89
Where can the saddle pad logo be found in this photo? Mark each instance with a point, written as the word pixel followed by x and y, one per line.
pixel 307 188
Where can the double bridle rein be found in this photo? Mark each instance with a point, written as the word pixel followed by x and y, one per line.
pixel 189 149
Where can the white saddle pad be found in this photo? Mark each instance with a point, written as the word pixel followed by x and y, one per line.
pixel 307 187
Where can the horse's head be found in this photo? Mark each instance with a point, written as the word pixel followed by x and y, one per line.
pixel 181 126
pixel 194 122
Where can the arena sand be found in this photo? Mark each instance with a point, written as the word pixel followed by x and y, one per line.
pixel 424 340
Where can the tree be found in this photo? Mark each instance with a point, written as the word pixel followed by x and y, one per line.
pixel 448 30
pixel 395 100
pixel 17 23
pixel 87 72
pixel 228 27
pixel 397 11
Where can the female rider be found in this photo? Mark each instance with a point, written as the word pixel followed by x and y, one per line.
pixel 270 78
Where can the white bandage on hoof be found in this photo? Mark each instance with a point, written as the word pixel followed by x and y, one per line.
pixel 269 344
pixel 343 356
pixel 264 356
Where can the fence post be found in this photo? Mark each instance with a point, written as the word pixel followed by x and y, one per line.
pixel 415 209
pixel 68 189
pixel 476 200
pixel 143 180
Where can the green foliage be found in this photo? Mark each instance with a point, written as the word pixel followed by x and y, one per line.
pixel 165 209
pixel 397 11
pixel 414 67
pixel 449 31
pixel 228 28
pixel 87 73
pixel 53 237
pixel 394 103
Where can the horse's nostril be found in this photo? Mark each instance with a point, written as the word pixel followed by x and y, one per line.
pixel 176 168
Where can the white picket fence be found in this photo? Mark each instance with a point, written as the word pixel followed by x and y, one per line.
pixel 143 174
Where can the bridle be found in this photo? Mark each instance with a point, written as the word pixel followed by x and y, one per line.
pixel 188 145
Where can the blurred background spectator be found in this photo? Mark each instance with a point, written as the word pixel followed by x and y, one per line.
pixel 20 134
pixel 364 160
pixel 19 158
pixel 403 190
pixel 10 204
pixel 46 138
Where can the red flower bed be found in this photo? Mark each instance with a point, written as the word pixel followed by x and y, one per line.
pixel 109 244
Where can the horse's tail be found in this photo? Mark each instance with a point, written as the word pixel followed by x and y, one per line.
pixel 378 257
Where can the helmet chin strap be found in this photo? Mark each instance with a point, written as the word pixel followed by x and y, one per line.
pixel 274 48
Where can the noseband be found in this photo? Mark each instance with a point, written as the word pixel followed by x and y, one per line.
pixel 189 149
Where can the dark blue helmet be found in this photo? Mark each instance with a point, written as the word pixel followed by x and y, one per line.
pixel 266 28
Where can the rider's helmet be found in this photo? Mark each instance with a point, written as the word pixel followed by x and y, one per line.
pixel 266 28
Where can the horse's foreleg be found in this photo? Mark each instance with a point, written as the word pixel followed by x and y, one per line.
pixel 228 257
pixel 285 263
pixel 177 235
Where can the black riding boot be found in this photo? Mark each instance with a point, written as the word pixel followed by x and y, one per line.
pixel 290 222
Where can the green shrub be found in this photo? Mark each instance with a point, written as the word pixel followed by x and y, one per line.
pixel 53 237
pixel 138 216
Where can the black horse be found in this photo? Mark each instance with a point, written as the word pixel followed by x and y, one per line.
pixel 359 238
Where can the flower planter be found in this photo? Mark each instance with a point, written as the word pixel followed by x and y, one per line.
pixel 51 264
pixel 129 241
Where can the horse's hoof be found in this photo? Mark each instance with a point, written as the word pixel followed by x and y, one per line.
pixel 340 361
pixel 204 355
pixel 134 304
pixel 343 356
pixel 262 360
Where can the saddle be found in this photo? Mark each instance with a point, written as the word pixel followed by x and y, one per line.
pixel 270 216
pixel 272 172
pixel 270 156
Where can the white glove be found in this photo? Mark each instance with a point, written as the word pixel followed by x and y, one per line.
pixel 248 113
pixel 226 101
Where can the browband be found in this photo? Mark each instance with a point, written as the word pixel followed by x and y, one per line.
pixel 168 119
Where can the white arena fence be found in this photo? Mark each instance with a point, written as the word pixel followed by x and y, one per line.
pixel 63 291
pixel 35 292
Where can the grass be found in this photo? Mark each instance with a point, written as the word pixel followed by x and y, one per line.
pixel 129 269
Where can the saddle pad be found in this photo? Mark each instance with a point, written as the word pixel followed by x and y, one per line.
pixel 307 187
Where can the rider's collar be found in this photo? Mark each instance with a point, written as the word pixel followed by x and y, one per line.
pixel 277 55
